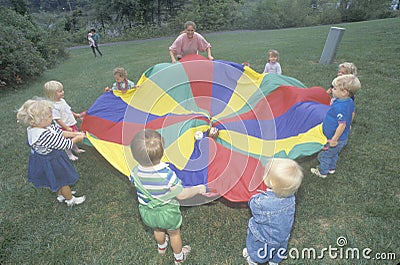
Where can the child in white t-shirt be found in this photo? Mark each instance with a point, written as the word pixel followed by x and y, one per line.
pixel 62 113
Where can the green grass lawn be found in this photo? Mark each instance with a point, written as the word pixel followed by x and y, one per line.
pixel 360 202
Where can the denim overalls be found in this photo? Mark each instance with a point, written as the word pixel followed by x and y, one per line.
pixel 269 227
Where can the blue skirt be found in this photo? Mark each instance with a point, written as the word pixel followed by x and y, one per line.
pixel 53 170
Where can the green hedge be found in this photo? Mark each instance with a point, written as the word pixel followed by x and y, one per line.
pixel 25 49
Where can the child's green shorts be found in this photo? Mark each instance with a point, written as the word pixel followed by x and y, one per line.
pixel 167 216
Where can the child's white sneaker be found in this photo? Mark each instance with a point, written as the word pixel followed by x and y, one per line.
pixel 161 250
pixel 245 253
pixel 185 250
pixel 75 200
pixel 61 198
pixel 316 172
pixel 247 257
pixel 331 171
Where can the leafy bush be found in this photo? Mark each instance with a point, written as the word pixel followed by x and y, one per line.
pixel 275 14
pixel 26 50
pixel 266 15
pixel 208 15
pixel 329 15
pixel 19 58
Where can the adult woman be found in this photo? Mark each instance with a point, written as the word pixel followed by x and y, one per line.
pixel 189 42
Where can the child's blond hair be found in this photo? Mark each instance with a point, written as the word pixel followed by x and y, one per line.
pixel 121 72
pixel 147 147
pixel 349 68
pixel 50 89
pixel 283 176
pixel 347 82
pixel 34 111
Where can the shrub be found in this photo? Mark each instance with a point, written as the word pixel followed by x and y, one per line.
pixel 25 50
pixel 19 58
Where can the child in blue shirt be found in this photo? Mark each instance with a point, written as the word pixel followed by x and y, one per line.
pixel 337 122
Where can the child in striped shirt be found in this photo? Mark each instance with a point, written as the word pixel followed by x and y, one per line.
pixel 157 188
pixel 49 165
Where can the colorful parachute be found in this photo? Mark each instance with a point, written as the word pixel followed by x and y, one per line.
pixel 259 116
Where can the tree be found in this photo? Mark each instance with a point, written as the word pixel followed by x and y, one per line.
pixel 210 14
pixel 19 58
pixel 20 7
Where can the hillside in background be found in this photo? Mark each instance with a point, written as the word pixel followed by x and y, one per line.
pixel 48 27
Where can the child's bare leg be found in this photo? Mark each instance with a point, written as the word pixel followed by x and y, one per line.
pixel 71 200
pixel 77 150
pixel 66 192
pixel 159 235
pixel 176 240
pixel 162 239
pixel 180 253
pixel 71 155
